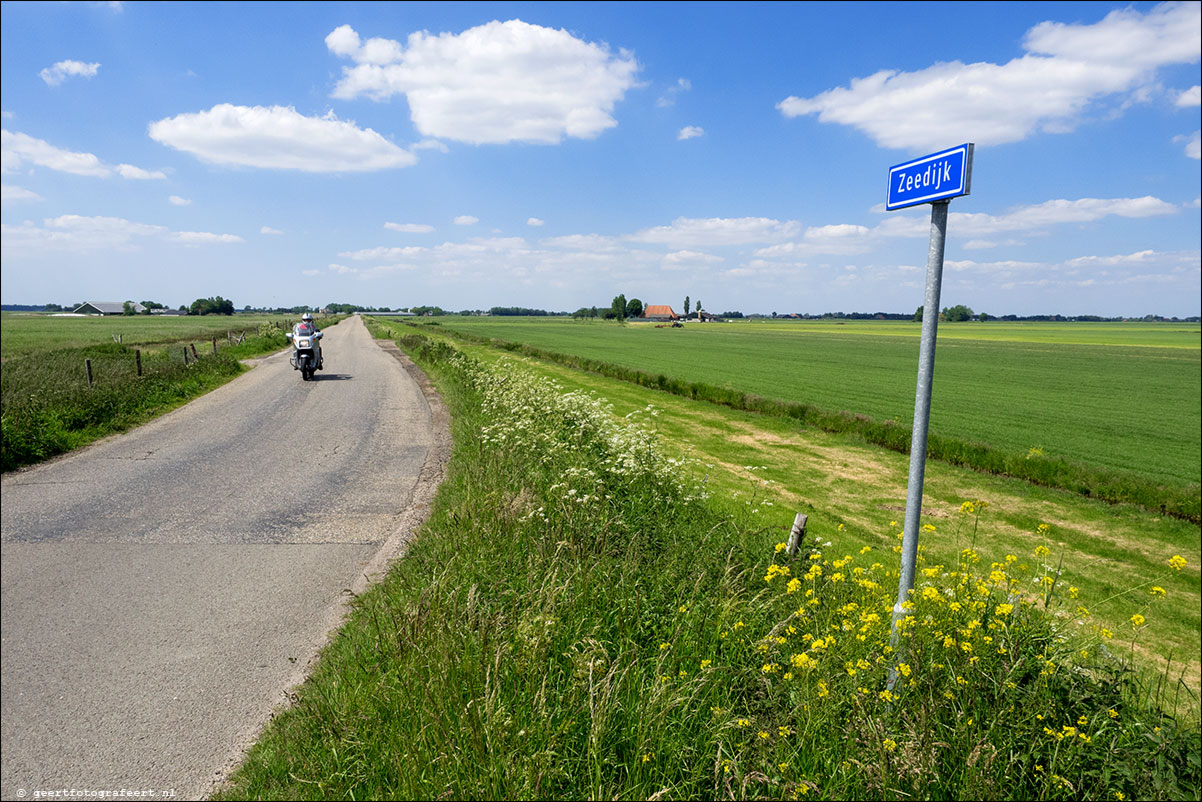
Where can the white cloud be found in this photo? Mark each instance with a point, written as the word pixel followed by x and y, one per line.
pixel 668 98
pixel 268 230
pixel 1066 68
pixel 1190 97
pixel 204 237
pixel 279 138
pixel 583 242
pixel 496 83
pixel 430 144
pixel 690 132
pixel 176 200
pixel 534 221
pixel 1193 144
pixel 15 194
pixel 409 228
pixel 379 254
pixel 984 244
pixel 310 272
pixel 1057 212
pixel 17 149
pixel 63 70
pixel 77 233
pixel 466 220
pixel 683 260
pixel 713 231
pixel 137 173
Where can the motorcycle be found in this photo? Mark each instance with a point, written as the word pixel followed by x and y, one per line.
pixel 306 353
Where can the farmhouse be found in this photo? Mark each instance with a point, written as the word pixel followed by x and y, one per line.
pixel 659 312
pixel 106 308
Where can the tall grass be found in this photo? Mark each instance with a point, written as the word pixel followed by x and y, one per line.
pixel 1178 499
pixel 579 619
pixel 48 407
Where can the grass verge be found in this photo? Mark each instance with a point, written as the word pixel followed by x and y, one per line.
pixel 580 619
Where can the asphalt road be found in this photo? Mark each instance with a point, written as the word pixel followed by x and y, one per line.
pixel 162 590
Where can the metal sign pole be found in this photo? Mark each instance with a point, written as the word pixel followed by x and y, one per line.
pixel 922 416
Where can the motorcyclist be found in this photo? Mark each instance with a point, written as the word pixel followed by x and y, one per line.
pixel 306 328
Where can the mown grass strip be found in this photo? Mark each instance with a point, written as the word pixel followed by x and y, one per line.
pixel 576 621
pixel 1178 500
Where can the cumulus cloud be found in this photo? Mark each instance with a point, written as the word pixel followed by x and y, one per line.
pixel 17 150
pixel 203 237
pixel 466 220
pixel 1193 144
pixel 409 228
pixel 496 83
pixel 62 70
pixel 1058 212
pixel 683 260
pixel 78 233
pixel 534 221
pixel 1066 68
pixel 690 132
pixel 15 194
pixel 176 200
pixel 848 239
pixel 705 232
pixel 1190 97
pixel 268 230
pixel 279 138
pixel 583 242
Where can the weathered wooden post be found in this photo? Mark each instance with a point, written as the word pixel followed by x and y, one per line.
pixel 138 359
pixel 797 534
pixel 195 355
pixel 214 346
pixel 87 363
pixel 185 356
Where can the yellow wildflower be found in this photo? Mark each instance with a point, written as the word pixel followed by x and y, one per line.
pixel 1177 561
pixel 1138 620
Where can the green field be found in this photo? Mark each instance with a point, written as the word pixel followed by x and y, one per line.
pixel 1124 397
pixel 48 405
pixel 27 333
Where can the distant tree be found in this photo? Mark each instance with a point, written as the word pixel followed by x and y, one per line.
pixel 634 308
pixel 53 308
pixel 127 309
pixel 918 315
pixel 211 306
pixel 618 307
pixel 957 314
pixel 686 306
pixel 984 316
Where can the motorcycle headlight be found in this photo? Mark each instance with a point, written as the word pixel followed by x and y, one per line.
pixel 303 342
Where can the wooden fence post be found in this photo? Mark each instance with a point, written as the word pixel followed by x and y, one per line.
pixel 138 359
pixel 214 345
pixel 87 363
pixel 185 356
pixel 797 533
pixel 195 355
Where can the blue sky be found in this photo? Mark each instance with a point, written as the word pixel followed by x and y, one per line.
pixel 553 155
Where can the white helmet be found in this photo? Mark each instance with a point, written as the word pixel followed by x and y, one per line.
pixel 307 317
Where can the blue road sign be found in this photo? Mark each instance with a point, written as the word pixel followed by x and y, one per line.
pixel 939 176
